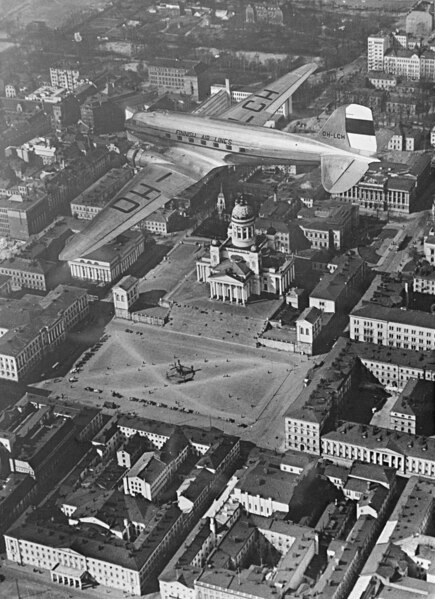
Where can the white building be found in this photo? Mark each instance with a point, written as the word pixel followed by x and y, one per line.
pixel 33 326
pixel 377 45
pixel 308 327
pixel 111 261
pixel 394 327
pixel 67 78
pixel 244 264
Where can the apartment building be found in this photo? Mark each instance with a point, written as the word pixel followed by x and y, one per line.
pixel 153 471
pixel 423 282
pixel 25 273
pixel 341 288
pixel 393 367
pixel 413 410
pixel 265 489
pixel 306 418
pixel 377 46
pixel 32 326
pixel 22 216
pixel 393 327
pixel 64 77
pixel 179 76
pixel 91 201
pixel 161 221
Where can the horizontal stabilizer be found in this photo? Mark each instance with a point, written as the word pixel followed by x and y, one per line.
pixel 340 173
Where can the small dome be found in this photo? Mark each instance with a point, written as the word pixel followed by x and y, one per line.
pixel 242 211
pixel 254 248
pixel 215 242
pixel 271 231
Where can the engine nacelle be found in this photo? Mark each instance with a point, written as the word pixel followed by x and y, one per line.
pixel 139 157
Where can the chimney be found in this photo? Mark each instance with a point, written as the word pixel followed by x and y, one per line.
pixel 228 88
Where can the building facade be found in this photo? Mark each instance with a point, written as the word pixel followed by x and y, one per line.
pixel 244 264
pixel 393 327
pixel 33 326
pixel 179 76
pixel 111 261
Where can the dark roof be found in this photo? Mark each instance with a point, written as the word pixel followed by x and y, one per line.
pixel 414 318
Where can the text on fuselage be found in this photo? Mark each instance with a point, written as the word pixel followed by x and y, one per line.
pixel 212 138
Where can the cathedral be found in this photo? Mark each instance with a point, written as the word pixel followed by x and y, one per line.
pixel 244 264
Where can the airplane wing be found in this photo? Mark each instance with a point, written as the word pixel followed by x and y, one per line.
pixel 156 184
pixel 259 107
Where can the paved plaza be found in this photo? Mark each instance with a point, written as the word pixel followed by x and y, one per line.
pixel 233 384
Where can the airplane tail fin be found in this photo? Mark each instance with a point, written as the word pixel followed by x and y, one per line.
pixel 350 128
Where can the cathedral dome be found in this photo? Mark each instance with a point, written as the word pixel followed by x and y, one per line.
pixel 242 211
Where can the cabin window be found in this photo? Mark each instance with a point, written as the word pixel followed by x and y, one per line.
pixel 191 140
pixel 203 142
pixel 229 147
pixel 179 138
pixel 242 149
pixel 168 134
pixel 215 145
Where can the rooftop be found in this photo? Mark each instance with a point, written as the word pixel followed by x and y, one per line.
pixel 332 285
pixel 314 402
pixel 412 318
pixel 374 437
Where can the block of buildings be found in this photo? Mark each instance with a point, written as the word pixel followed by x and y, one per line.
pixel 33 326
pixel 110 261
pixel 152 472
pixel 162 221
pixel 99 556
pixel 265 489
pixel 91 201
pixel 394 366
pixel 390 187
pixel 381 80
pixel 67 78
pixel 101 115
pixel 186 77
pixel 409 454
pixel 413 411
pixel 377 46
pixel 342 287
pixel 22 216
pixel 401 562
pixel 393 327
pixel 40 147
pixel 25 273
pixel 309 414
pixel 424 281
pixel 429 246
pixel 329 225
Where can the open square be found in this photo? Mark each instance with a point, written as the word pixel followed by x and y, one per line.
pixel 239 389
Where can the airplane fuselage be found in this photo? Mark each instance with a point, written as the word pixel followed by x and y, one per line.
pixel 242 143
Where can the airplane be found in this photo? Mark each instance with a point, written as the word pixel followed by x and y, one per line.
pixel 193 146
